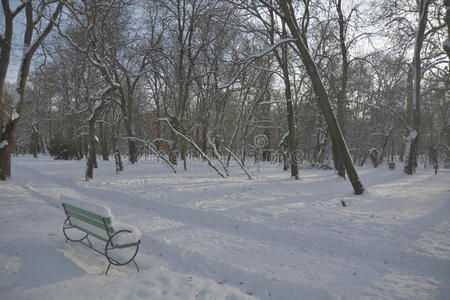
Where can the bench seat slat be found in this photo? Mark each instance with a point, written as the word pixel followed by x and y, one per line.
pixel 90 229
pixel 90 232
pixel 127 245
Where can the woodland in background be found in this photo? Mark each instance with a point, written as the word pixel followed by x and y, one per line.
pixel 181 78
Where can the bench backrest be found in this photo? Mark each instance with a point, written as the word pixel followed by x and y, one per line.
pixel 91 221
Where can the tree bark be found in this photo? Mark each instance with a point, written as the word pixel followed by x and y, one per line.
pixel 104 143
pixel 126 107
pixel 447 21
pixel 173 153
pixel 414 135
pixel 342 90
pixel 292 138
pixel 5 152
pixel 89 175
pixel 91 154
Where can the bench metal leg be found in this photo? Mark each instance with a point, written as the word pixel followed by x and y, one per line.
pixel 110 264
pixel 107 269
pixel 68 225
pixel 110 246
pixel 137 268
pixel 90 244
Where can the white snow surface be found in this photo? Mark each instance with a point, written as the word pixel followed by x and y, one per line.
pixel 3 144
pixel 204 237
pixel 412 134
pixel 14 115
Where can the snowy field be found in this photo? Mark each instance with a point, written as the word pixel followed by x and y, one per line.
pixel 210 238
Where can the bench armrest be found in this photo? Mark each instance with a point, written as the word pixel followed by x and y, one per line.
pixel 129 235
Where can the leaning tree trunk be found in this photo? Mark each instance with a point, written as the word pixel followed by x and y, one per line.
pixel 322 97
pixel 338 163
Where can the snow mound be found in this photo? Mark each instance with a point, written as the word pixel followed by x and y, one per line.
pixel 94 208
pixel 124 238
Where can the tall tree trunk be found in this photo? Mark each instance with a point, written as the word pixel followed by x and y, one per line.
pixel 447 21
pixel 7 127
pixel 409 149
pixel 104 142
pixel 5 48
pixel 322 96
pixel 446 122
pixel 7 141
pixel 173 153
pixel 126 108
pixel 204 134
pixel 410 92
pixel 132 155
pixel 414 135
pixel 183 154
pixel 92 139
pixel 292 138
pixel 338 163
pixel 342 90
pixel 447 104
pixel 91 149
pixel 291 155
pixel 34 140
pixel 158 123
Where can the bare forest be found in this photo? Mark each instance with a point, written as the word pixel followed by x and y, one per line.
pixel 327 84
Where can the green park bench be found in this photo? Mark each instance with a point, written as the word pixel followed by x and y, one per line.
pixel 86 220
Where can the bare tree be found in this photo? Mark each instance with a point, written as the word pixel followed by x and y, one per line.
pixel 35 17
pixel 101 21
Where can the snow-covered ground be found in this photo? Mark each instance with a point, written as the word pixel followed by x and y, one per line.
pixel 205 237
